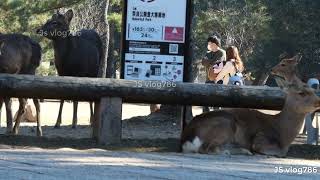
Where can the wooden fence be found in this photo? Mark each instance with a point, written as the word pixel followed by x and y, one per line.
pixel 109 94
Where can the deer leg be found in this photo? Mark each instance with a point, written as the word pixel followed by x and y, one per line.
pixel 271 150
pixel 21 111
pixel 234 149
pixel 37 105
pixel 8 104
pixel 226 149
pixel 209 149
pixel 58 123
pixel 91 113
pixel 262 145
pixel 75 116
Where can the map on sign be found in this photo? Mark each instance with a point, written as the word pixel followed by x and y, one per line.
pixel 155 40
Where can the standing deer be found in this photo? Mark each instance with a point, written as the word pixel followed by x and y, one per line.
pixel 19 55
pixel 75 55
pixel 248 130
pixel 286 69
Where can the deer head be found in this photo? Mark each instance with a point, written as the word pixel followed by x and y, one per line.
pixel 286 67
pixel 57 26
pixel 302 99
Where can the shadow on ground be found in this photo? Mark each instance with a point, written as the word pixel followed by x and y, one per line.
pixel 302 151
pixel 136 145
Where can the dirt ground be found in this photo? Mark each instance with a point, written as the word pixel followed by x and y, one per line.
pixel 141 132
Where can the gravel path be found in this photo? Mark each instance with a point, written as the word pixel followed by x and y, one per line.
pixel 100 164
pixel 141 134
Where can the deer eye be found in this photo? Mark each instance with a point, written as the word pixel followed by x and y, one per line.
pixel 283 65
pixel 54 23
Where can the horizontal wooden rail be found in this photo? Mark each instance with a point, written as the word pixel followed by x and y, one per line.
pixel 85 89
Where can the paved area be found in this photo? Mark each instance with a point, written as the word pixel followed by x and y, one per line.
pixel 100 164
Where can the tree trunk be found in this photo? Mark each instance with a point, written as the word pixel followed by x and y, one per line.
pixel 261 79
pixel 92 14
pixel 111 62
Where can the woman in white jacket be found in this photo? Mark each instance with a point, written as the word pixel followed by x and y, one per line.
pixel 233 65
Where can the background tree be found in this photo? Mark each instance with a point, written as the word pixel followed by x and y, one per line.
pixel 114 18
pixel 241 23
pixel 263 30
pixel 92 14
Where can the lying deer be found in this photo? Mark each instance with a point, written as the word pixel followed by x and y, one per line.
pixel 246 131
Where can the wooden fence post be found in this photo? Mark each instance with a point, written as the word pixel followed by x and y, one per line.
pixel 108 115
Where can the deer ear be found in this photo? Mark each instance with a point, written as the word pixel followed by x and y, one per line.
pixel 283 55
pixel 297 57
pixel 293 61
pixel 69 15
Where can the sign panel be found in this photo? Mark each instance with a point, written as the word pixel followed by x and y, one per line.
pixel 155 40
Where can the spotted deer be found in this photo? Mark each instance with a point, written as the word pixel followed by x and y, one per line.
pixel 247 131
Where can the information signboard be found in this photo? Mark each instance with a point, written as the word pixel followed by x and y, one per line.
pixel 155 40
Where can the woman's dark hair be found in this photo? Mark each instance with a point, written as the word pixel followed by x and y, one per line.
pixel 214 39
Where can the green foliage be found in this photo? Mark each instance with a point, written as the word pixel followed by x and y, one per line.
pixel 262 29
pixel 115 2
pixel 44 70
pixel 115 19
pixel 238 23
pixel 293 28
pixel 115 23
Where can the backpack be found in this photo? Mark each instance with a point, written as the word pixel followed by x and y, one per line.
pixel 236 79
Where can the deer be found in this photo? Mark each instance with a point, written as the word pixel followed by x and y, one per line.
pixel 76 55
pixel 248 131
pixel 19 54
pixel 285 72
